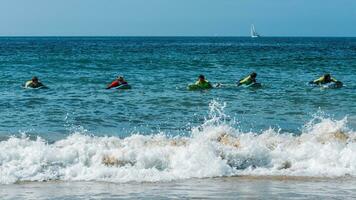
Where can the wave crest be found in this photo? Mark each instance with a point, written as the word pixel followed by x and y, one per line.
pixel 325 148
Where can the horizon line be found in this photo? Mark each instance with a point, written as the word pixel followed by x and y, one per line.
pixel 167 36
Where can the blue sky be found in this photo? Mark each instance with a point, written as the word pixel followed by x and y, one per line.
pixel 177 17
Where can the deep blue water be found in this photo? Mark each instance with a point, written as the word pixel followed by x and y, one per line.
pixel 76 70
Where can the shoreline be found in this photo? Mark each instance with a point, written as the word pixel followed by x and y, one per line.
pixel 209 188
pixel 279 178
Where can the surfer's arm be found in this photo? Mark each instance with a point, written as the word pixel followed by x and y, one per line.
pixel 244 81
pixel 318 81
pixel 28 83
pixel 113 84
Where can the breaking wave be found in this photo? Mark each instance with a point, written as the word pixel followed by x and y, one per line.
pixel 324 148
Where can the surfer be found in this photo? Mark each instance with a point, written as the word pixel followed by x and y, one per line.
pixel 325 79
pixel 248 80
pixel 203 83
pixel 118 82
pixel 34 83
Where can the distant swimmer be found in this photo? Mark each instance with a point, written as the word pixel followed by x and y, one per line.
pixel 325 79
pixel 34 83
pixel 250 79
pixel 119 83
pixel 201 84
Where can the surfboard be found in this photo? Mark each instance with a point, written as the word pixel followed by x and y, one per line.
pixel 197 87
pixel 37 88
pixel 123 87
pixel 253 85
pixel 332 85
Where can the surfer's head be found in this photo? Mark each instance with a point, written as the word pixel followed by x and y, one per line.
pixel 253 75
pixel 327 77
pixel 201 77
pixel 35 79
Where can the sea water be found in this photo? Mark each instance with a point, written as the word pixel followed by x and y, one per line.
pixel 160 133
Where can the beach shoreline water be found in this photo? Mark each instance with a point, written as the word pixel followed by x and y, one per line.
pixel 209 188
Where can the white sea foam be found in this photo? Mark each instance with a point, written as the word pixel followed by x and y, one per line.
pixel 325 148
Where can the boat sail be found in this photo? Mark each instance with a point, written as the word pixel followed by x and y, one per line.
pixel 254 34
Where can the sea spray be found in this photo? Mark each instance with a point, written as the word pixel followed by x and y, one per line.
pixel 325 148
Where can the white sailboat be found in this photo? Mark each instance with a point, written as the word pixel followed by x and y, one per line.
pixel 254 34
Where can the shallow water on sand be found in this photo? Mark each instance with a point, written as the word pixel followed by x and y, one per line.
pixel 212 188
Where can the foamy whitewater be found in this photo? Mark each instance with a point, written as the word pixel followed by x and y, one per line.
pixel 324 148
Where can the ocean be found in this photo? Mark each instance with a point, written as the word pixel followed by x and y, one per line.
pixel 285 139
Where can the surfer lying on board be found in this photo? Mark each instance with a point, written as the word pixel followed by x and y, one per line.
pixel 325 79
pixel 118 82
pixel 248 80
pixel 203 83
pixel 34 83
